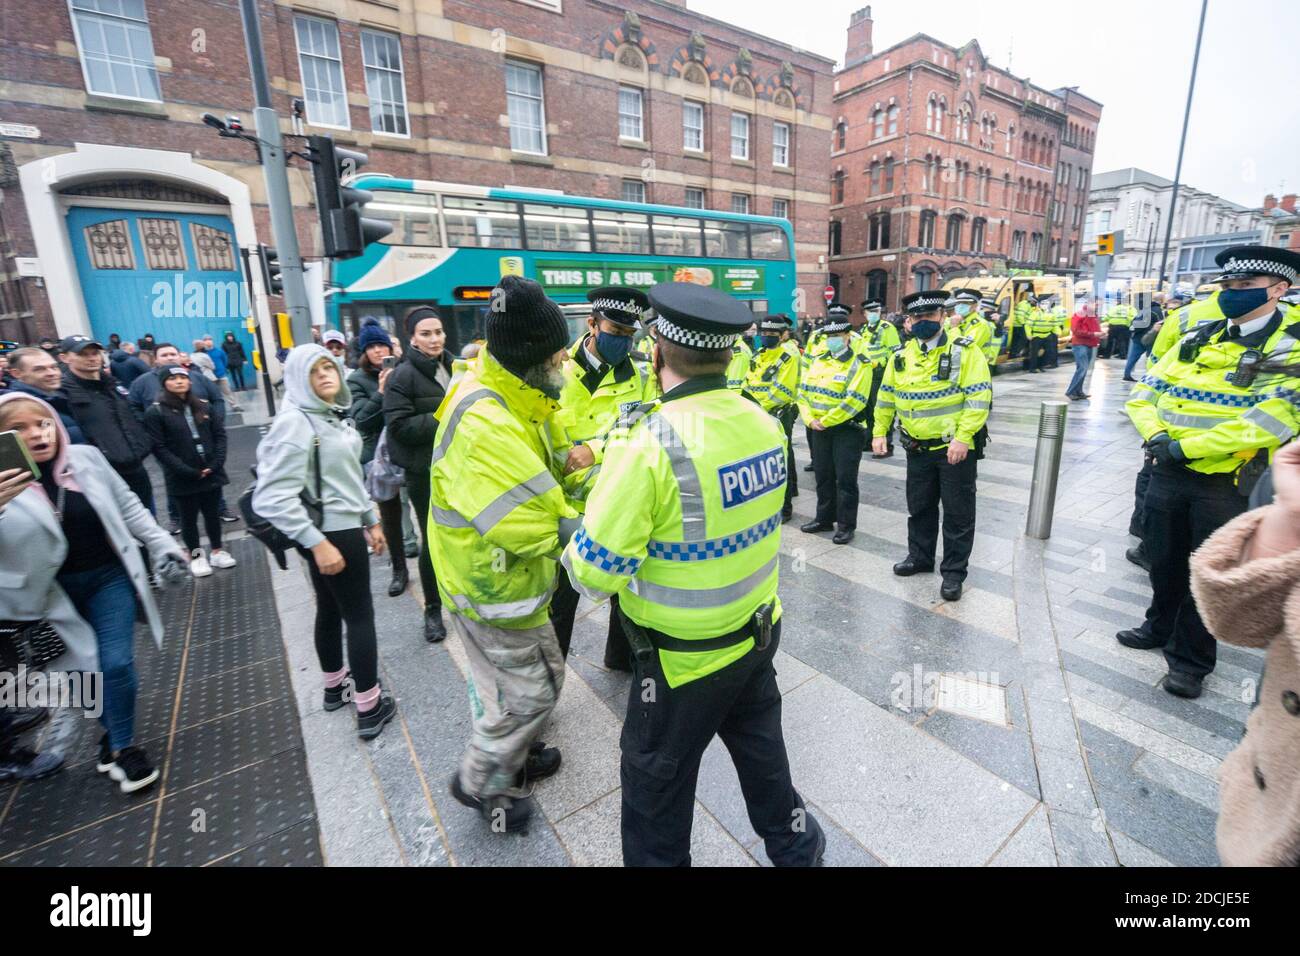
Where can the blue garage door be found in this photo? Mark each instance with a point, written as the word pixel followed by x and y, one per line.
pixel 176 275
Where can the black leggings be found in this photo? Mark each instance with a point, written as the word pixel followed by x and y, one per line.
pixel 207 502
pixel 417 486
pixel 390 519
pixel 346 597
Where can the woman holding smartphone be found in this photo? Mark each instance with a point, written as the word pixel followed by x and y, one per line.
pixel 70 555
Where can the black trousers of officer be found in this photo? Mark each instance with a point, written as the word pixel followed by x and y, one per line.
pixel 1182 509
pixel 837 455
pixel 666 733
pixel 1041 353
pixel 1116 342
pixel 788 414
pixel 1019 340
pixel 876 379
pixel 564 607
pixel 931 481
pixel 1136 520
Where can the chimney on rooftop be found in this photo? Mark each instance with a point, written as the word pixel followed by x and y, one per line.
pixel 859 45
pixel 1269 202
pixel 1288 203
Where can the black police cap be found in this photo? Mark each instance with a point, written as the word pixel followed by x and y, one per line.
pixel 1242 262
pixel 698 317
pixel 620 304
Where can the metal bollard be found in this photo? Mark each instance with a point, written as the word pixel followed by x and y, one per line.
pixel 1047 465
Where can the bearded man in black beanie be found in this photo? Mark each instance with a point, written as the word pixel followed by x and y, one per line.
pixel 499 519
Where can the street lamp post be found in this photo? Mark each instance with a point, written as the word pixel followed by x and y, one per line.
pixel 1178 170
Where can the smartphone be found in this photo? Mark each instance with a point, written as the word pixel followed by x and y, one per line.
pixel 14 454
pixel 389 361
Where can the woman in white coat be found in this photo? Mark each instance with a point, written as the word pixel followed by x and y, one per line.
pixel 69 554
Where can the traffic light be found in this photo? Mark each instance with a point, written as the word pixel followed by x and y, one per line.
pixel 344 227
pixel 272 280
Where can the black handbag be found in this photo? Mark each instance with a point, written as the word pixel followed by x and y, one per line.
pixel 276 541
pixel 30 644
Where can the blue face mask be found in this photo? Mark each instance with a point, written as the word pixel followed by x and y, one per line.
pixel 835 344
pixel 770 341
pixel 1235 303
pixel 613 348
pixel 962 309
pixel 925 329
pixel 873 319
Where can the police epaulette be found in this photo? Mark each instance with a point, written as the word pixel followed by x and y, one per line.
pixel 636 356
pixel 964 341
pixel 634 415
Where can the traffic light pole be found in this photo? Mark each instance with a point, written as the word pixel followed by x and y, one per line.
pixel 263 359
pixel 1178 169
pixel 271 148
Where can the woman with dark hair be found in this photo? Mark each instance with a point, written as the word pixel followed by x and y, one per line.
pixel 367 384
pixel 190 443
pixel 235 359
pixel 411 396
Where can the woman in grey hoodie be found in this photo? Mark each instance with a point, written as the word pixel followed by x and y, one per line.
pixel 315 415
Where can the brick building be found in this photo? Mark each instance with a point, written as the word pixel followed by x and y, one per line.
pixel 110 179
pixel 942 163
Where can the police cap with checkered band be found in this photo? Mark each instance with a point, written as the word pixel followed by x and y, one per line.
pixel 698 317
pixel 971 296
pixel 619 304
pixel 1242 262
pixel 919 303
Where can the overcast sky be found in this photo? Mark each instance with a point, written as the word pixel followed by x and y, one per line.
pixel 1134 56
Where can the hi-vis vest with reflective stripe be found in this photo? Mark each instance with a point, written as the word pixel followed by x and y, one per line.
pixel 590 405
pixel 1039 323
pixel 774 376
pixel 880 342
pixel 1218 425
pixel 834 389
pixel 980 331
pixel 495 503
pixel 738 369
pixel 1181 321
pixel 684 523
pixel 928 408
pixel 1120 314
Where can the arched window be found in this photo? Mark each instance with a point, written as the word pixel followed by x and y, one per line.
pixel 1006 190
pixel 837 187
pixel 1011 135
pixel 922 279
pixel 940 113
pixel 878 124
pixel 963 122
pixel 877 285
pixel 841 135
pixel 925 230
pixel 977 236
pixel 960 172
pixel 889 176
pixel 930 105
pixel 878 231
pixel 1018 245
pixel 874 189
pixel 925 175
pixel 1035 246
pixel 893 121
pixel 833 243
pixel 952 238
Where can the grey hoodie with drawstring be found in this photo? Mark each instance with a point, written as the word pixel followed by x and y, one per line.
pixel 284 459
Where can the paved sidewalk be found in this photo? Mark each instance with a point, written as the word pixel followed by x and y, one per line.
pixel 1007 729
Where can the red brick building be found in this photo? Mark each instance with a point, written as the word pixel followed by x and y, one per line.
pixel 942 163
pixel 107 167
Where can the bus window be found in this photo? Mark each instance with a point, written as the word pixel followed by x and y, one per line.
pixel 414 217
pixel 557 228
pixel 621 232
pixel 677 236
pixel 485 223
pixel 768 242
pixel 725 240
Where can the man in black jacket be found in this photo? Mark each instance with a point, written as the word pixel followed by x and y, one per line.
pixel 37 373
pixel 99 405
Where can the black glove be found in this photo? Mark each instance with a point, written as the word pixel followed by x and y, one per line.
pixel 568 528
pixel 1164 450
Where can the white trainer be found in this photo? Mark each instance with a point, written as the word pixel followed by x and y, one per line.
pixel 199 566
pixel 223 559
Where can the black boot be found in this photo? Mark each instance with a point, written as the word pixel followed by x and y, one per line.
pixel 434 630
pixel 401 578
pixel 371 723
pixel 542 762
pixel 909 566
pixel 504 814
pixel 1139 639
pixel 1184 685
pixel 814 527
pixel 1139 557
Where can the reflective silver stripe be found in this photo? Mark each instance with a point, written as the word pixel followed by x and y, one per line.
pixel 456 416
pixel 978 403
pixel 510 499
pixel 1144 395
pixel 704 597
pixel 688 482
pixel 820 406
pixel 596 594
pixel 1270 423
pixel 955 371
pixel 949 409
pixel 1191 421
pixel 447 519
pixel 506 610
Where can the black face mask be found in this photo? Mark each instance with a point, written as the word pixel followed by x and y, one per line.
pixel 925 329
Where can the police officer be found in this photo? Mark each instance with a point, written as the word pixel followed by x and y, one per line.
pixel 938 385
pixel 880 338
pixel 1212 412
pixel 834 387
pixel 964 318
pixel 836 312
pixel 738 368
pixel 1118 319
pixel 1019 325
pixel 1182 320
pixel 774 383
pixel 602 380
pixel 988 310
pixel 684 522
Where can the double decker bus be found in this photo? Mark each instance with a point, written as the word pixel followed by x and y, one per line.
pixel 452 243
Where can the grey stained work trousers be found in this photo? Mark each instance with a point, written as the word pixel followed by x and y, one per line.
pixel 515 678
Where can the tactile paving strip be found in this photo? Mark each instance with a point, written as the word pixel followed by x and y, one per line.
pixel 234 810
pixel 296 846
pixel 234 690
pixel 201 753
pixel 122 840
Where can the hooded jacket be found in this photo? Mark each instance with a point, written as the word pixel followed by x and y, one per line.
pixel 127 367
pixel 177 448
pixel 59 401
pixel 28 589
pixel 284 458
